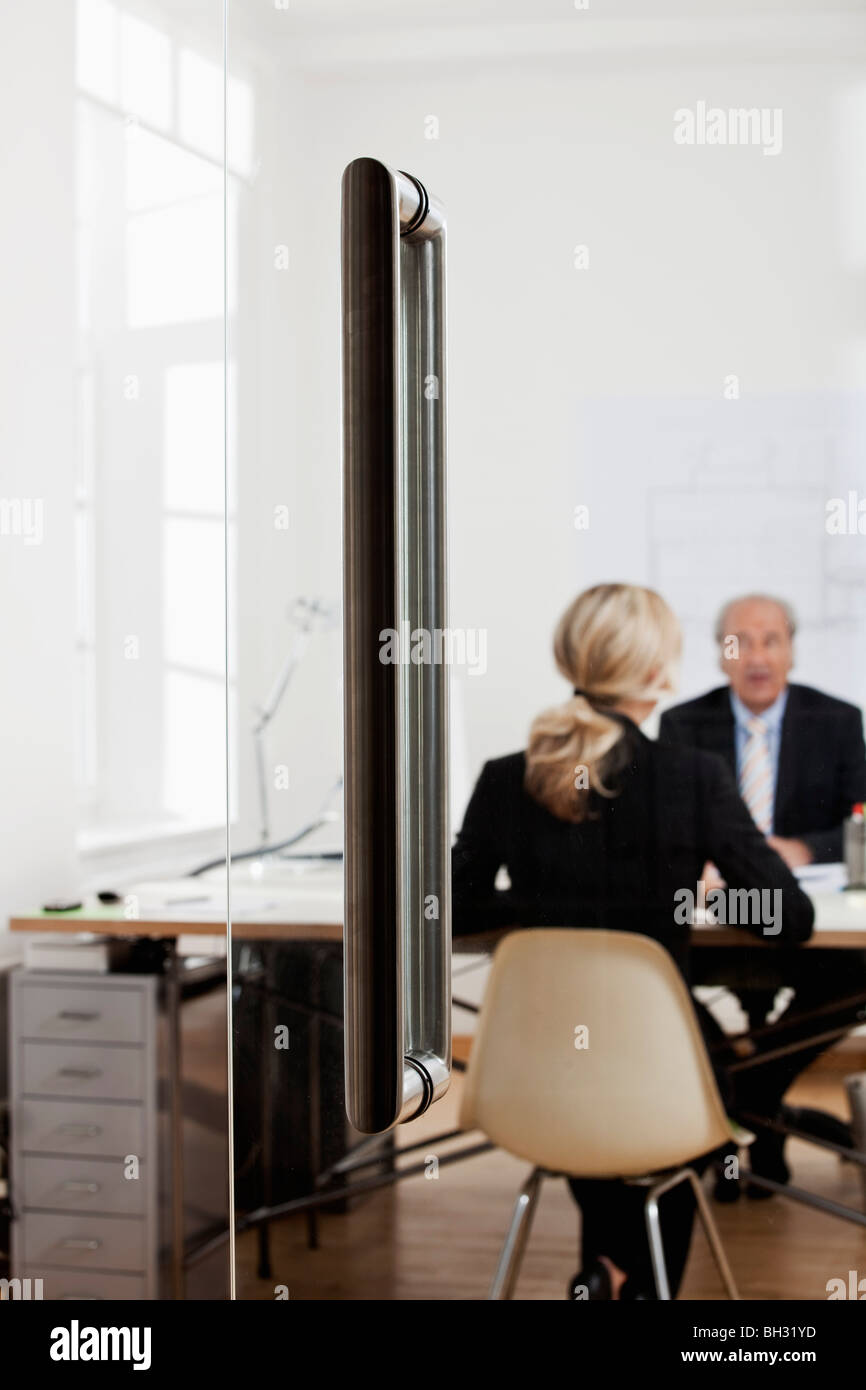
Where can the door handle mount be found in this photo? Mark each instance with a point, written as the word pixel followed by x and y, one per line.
pixel 397 841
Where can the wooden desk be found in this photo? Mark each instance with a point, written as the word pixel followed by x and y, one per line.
pixel 313 911
pixel 111 922
pixel 288 906
pixel 840 924
pixel 295 908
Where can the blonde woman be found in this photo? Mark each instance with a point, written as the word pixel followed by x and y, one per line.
pixel 598 826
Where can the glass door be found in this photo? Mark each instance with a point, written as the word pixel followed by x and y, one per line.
pixel 114 1068
pixel 651 376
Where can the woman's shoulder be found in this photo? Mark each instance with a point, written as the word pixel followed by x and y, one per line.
pixel 684 760
pixel 500 784
pixel 678 763
pixel 509 767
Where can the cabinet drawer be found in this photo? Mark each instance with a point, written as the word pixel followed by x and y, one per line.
pixel 80 1184
pixel 80 1127
pixel 75 1069
pixel 83 1241
pixel 86 1012
pixel 79 1284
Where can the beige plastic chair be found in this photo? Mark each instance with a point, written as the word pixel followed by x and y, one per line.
pixel 633 1096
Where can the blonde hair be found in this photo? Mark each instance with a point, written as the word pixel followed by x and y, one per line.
pixel 615 642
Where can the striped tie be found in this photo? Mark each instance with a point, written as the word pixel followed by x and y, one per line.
pixel 756 776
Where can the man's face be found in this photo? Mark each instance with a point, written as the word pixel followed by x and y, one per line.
pixel 758 661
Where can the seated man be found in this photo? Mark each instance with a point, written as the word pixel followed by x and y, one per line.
pixel 798 754
pixel 799 759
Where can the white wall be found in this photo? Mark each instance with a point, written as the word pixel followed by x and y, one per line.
pixel 42 434
pixel 601 386
pixel 37 457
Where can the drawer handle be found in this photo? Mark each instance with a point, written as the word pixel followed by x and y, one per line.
pixel 79 1015
pixel 78 1186
pixel 82 1073
pixel 80 1243
pixel 80 1131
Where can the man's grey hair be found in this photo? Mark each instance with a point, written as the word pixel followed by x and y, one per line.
pixel 721 629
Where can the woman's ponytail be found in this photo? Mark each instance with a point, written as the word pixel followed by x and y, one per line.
pixel 616 643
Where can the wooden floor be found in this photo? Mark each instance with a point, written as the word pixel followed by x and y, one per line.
pixel 439 1238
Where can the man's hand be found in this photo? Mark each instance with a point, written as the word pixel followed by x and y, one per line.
pixel 794 852
pixel 711 877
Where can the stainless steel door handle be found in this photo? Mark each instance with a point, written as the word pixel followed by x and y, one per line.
pixel 397 841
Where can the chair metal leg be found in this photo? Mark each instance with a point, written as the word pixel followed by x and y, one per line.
pixel 654 1232
pixel 855 1085
pixel 657 1250
pixel 712 1234
pixel 511 1257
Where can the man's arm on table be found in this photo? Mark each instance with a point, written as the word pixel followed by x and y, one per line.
pixel 827 846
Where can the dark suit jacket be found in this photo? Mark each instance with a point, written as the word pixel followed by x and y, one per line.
pixel 822 761
pixel 675 808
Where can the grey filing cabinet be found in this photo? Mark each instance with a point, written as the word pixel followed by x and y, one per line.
pixel 84 1078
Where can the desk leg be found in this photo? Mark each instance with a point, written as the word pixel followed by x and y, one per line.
pixel 314 1085
pixel 175 1084
pixel 268 1014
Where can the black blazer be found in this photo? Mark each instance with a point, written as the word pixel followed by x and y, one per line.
pixel 822 760
pixel 676 808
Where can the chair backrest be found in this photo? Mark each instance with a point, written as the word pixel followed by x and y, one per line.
pixel 589 1059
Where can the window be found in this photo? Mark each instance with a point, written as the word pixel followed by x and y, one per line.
pixel 151 523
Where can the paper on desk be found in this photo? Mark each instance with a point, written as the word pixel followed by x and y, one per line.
pixel 822 878
pixel 197 900
pixel 183 901
pixel 835 909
